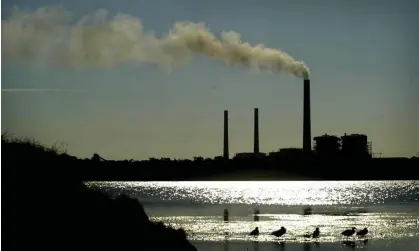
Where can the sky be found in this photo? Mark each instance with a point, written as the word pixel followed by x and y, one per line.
pixel 362 56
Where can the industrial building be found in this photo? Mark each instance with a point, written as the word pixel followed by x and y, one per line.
pixel 249 155
pixel 287 153
pixel 327 145
pixel 353 146
pixel 356 146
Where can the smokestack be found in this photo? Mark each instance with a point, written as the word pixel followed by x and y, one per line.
pixel 226 151
pixel 306 119
pixel 256 132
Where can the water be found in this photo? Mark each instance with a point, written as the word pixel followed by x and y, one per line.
pixel 389 209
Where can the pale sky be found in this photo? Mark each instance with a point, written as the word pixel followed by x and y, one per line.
pixel 362 55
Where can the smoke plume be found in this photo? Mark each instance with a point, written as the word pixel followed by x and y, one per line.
pixel 50 34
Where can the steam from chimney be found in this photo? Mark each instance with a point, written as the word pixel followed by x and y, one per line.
pixel 50 35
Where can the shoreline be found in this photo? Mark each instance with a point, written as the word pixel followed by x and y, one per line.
pixel 17 153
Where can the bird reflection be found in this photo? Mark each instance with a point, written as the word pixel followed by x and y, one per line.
pixel 226 242
pixel 226 245
pixel 350 244
pixel 307 246
pixel 365 242
pixel 255 245
pixel 281 245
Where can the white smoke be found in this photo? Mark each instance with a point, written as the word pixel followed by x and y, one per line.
pixel 96 40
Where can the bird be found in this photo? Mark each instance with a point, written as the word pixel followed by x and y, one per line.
pixel 315 234
pixel 255 232
pixel 280 232
pixel 348 232
pixel 362 232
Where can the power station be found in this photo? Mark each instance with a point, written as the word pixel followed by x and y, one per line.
pixel 325 145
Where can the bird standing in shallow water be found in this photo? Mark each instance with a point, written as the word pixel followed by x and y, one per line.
pixel 280 232
pixel 348 232
pixel 362 232
pixel 316 233
pixel 255 232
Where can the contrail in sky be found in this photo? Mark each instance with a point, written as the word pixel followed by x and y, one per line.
pixel 40 90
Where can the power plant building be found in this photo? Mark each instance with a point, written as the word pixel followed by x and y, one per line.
pixel 356 145
pixel 327 145
pixel 249 155
pixel 287 153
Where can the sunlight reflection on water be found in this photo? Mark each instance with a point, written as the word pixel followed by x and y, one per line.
pixel 388 208
pixel 272 192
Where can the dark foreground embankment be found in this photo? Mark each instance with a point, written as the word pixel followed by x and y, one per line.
pixel 43 215
pixel 46 207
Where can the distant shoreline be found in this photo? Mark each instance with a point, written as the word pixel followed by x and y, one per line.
pixel 18 153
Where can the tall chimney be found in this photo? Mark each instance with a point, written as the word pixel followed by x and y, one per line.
pixel 256 132
pixel 306 119
pixel 226 151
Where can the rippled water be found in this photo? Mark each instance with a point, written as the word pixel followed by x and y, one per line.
pixel 390 209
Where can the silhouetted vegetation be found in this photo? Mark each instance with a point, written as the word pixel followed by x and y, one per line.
pixel 53 211
pixel 55 160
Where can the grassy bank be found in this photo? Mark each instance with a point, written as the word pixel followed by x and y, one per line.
pixel 50 210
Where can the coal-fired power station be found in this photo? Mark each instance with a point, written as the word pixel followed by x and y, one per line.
pixel 347 146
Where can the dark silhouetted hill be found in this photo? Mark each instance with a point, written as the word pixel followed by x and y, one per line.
pixel 55 211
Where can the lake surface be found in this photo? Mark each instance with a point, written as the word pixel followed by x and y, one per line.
pixel 389 209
